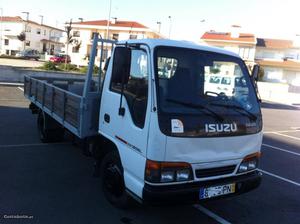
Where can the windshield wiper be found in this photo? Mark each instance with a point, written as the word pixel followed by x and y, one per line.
pixel 198 106
pixel 238 109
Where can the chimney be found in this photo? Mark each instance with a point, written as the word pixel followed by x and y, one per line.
pixel 114 20
pixel 296 41
pixel 235 31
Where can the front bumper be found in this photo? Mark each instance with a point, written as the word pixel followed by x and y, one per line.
pixel 189 193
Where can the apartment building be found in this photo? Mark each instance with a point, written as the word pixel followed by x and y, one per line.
pixel 82 33
pixel 38 36
pixel 243 44
pixel 280 60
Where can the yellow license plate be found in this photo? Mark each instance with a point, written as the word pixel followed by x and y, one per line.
pixel 215 191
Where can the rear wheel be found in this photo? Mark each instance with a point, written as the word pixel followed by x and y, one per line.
pixel 112 180
pixel 48 129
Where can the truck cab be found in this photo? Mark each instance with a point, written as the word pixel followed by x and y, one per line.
pixel 174 137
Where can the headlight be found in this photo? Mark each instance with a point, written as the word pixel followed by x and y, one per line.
pixel 249 163
pixel 166 172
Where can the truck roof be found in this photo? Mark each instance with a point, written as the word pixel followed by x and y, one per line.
pixel 152 43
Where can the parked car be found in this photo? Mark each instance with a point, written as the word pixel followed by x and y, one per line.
pixel 29 54
pixel 60 58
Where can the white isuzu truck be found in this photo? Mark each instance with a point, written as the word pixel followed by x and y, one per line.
pixel 158 130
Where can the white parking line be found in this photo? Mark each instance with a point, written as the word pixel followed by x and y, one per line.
pixel 285 131
pixel 280 149
pixel 287 136
pixel 11 84
pixel 21 89
pixel 279 177
pixel 211 214
pixel 35 144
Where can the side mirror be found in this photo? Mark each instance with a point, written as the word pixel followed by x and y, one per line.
pixel 121 65
pixel 106 64
pixel 255 72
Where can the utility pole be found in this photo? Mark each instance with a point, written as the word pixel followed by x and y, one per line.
pixel 26 24
pixel 69 37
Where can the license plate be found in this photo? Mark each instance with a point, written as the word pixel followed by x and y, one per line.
pixel 216 191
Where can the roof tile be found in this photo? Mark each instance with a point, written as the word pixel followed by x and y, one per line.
pixel 120 23
pixel 243 37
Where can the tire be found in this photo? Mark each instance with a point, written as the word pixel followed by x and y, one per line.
pixel 48 129
pixel 112 181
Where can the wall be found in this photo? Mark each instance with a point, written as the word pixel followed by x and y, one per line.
pixel 11 31
pixel 278 92
pixel 16 74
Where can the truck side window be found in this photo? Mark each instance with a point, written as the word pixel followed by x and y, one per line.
pixel 136 90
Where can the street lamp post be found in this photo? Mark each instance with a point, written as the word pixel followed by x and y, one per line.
pixel 159 26
pixel 170 26
pixel 108 19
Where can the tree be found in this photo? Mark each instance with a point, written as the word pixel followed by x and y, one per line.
pixel 69 39
pixel 261 73
pixel 77 45
pixel 22 37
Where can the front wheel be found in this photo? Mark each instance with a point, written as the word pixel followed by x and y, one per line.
pixel 112 180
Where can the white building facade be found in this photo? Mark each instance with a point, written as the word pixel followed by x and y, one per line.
pixel 82 33
pixel 280 60
pixel 37 36
pixel 243 44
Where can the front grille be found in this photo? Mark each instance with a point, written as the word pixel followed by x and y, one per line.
pixel 202 173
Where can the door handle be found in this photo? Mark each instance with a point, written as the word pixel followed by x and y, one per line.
pixel 106 118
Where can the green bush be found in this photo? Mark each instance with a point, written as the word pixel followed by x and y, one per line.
pixel 49 66
pixel 84 69
pixel 68 67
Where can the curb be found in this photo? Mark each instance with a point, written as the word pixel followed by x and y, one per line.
pixel 11 84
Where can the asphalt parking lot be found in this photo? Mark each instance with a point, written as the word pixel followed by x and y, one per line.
pixel 53 183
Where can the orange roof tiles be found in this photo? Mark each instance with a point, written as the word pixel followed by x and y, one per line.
pixel 274 43
pixel 131 24
pixel 12 19
pixel 19 19
pixel 215 36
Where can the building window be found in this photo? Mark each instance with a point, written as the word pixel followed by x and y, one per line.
pixel 27 43
pixel 244 52
pixel 45 32
pixel 28 29
pixel 76 33
pixel 6 42
pixel 7 52
pixel 38 31
pixel 115 36
pixel 132 36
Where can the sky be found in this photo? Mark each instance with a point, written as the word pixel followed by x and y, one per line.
pixel 189 18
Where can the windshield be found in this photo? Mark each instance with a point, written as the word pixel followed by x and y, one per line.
pixel 213 81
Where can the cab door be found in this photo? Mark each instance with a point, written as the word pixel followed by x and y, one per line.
pixel 125 120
